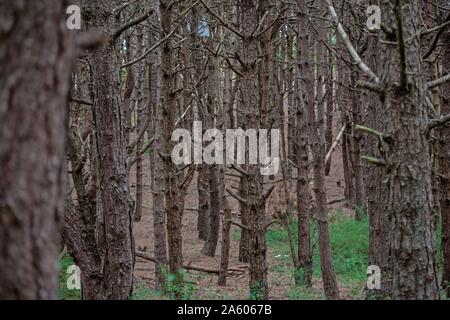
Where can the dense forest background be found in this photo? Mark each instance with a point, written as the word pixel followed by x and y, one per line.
pixel 93 205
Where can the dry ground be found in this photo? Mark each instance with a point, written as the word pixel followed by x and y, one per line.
pixel 206 284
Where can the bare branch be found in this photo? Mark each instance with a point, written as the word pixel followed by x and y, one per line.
pixel 144 150
pixel 226 25
pixel 238 198
pixel 241 171
pixel 116 34
pixel 436 123
pixel 119 9
pixel 140 134
pixel 270 223
pixel 237 224
pixel 189 266
pixel 436 39
pixel 338 138
pixel 375 161
pixel 268 193
pixel 153 48
pixel 369 86
pixel 357 59
pixel 374 132
pixel 437 28
pixel 80 101
pixel 160 42
pixel 438 82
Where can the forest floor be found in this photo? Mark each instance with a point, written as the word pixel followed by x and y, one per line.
pixel 280 271
pixel 349 241
pixel 204 286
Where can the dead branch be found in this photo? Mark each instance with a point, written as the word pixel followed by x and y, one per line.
pixel 222 22
pixel 116 34
pixel 438 122
pixel 235 196
pixel 189 266
pixel 374 132
pixel 351 49
pixel 80 101
pixel 336 142
pixel 369 86
pixel 438 82
pixel 374 161
pixel 268 193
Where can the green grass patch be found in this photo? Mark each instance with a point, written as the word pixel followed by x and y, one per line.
pixel 349 244
pixel 298 293
pixel 350 248
pixel 142 292
pixel 64 293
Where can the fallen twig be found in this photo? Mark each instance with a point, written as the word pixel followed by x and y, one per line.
pixel 191 267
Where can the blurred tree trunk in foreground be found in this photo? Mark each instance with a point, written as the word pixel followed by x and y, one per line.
pixel 35 64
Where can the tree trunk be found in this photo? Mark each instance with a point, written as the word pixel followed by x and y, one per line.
pixel 157 164
pixel 203 202
pixel 348 180
pixel 304 276
pixel 444 169
pixel 317 144
pixel 329 110
pixel 376 190
pixel 200 114
pixel 173 205
pixel 212 87
pixel 35 64
pixel 116 211
pixel 225 209
pixel 214 218
pixel 243 209
pixel 318 150
pixel 141 122
pixel 407 150
pixel 356 156
pixel 255 82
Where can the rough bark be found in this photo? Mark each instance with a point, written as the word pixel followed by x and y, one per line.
pixel 356 156
pixel 304 276
pixel 35 65
pixel 444 170
pixel 348 180
pixel 199 114
pixel 317 143
pixel 214 218
pixel 243 209
pixel 225 209
pixel 203 202
pixel 114 225
pixel 318 151
pixel 128 90
pixel 141 116
pixel 81 214
pixel 157 164
pixel 255 99
pixel 329 111
pixel 407 155
pixel 174 199
pixel 379 234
